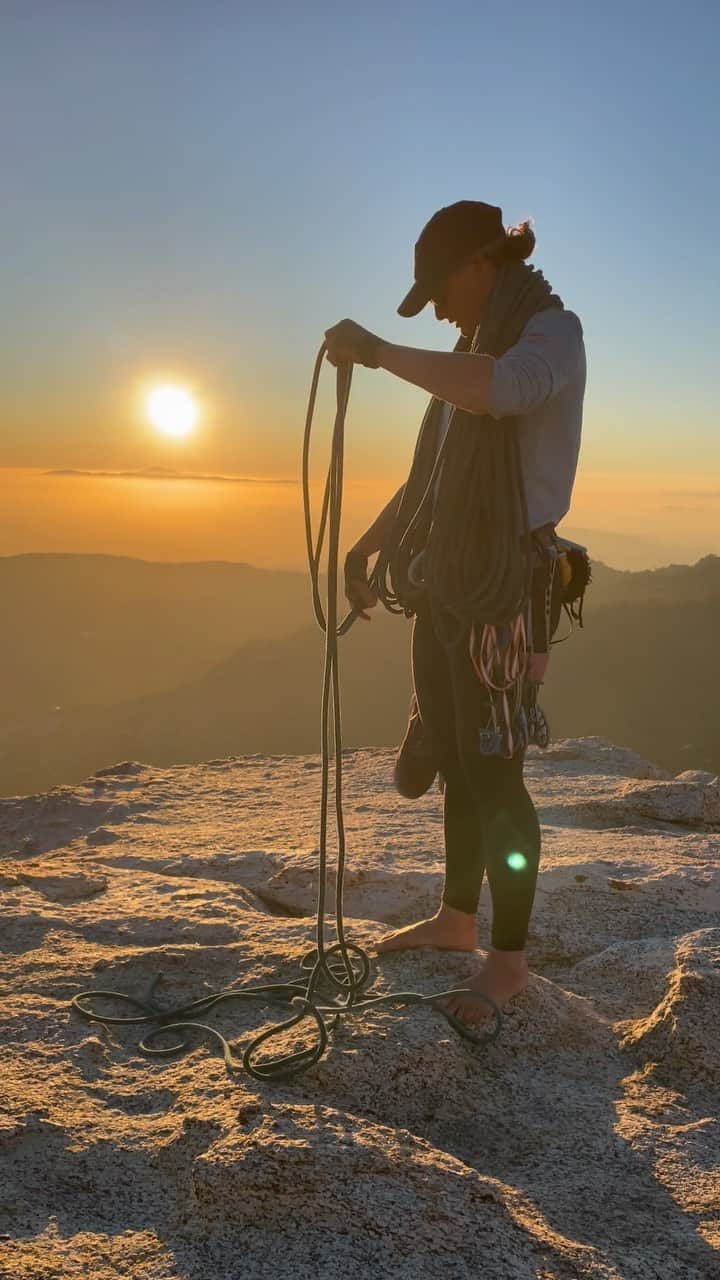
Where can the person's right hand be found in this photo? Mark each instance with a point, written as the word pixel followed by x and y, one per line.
pixel 357 588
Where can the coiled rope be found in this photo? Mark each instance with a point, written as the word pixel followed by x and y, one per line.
pixel 473 564
pixel 336 975
pixel 477 569
pixel 474 540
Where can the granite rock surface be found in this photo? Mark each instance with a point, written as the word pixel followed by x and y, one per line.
pixel 583 1142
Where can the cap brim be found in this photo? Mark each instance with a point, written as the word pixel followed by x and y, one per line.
pixel 414 301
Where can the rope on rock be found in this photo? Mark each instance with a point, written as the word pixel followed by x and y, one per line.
pixel 337 975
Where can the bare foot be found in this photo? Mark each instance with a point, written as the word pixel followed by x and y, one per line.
pixel 504 975
pixel 450 930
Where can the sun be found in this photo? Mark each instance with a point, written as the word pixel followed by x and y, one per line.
pixel 172 410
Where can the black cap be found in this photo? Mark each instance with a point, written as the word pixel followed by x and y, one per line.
pixel 446 241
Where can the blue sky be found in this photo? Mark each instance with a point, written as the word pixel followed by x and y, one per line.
pixel 206 187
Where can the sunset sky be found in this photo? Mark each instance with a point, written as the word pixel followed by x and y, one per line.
pixel 193 192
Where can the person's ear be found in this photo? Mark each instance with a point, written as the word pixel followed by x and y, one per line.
pixel 488 271
pixel 479 263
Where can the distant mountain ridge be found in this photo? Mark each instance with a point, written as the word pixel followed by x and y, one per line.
pixel 673 583
pixel 188 662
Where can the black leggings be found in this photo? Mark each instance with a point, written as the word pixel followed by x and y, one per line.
pixel 490 823
pixel 493 828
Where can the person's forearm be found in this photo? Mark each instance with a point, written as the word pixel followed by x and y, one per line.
pixel 461 377
pixel 374 537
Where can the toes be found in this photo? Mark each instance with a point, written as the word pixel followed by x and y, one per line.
pixel 454 1006
pixel 471 1011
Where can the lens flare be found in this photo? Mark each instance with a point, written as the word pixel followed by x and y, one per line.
pixel 517 861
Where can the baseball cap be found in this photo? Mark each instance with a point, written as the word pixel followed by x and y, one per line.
pixel 451 236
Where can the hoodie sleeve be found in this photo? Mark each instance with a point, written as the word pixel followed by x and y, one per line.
pixel 542 362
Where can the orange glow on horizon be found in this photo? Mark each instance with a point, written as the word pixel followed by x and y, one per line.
pixel 639 520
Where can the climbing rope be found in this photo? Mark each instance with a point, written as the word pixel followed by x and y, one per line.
pixel 337 975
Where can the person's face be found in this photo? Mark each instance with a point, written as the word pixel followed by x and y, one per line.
pixel 462 295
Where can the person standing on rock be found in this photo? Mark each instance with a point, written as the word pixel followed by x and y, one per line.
pixel 529 371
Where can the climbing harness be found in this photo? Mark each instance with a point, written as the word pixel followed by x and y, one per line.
pixel 336 976
pixel 566 564
pixel 576 572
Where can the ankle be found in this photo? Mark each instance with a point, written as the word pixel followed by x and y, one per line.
pixel 509 959
pixel 452 914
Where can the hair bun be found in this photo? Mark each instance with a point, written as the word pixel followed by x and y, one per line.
pixel 519 241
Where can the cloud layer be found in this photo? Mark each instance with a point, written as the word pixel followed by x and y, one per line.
pixel 165 473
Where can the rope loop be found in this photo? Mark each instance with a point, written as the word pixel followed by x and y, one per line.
pixel 287 1065
pixel 352 975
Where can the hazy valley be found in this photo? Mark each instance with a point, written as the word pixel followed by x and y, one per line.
pixel 108 658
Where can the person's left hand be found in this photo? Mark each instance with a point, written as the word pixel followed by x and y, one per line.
pixel 349 342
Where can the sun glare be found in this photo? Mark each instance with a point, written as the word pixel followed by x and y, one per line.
pixel 172 410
